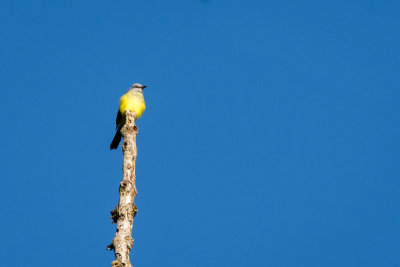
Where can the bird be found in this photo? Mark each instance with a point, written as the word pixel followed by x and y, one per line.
pixel 133 100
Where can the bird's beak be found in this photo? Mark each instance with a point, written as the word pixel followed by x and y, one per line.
pixel 144 86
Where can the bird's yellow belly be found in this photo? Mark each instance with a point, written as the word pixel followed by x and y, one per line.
pixel 132 102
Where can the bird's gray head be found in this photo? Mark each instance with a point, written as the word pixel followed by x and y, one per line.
pixel 137 87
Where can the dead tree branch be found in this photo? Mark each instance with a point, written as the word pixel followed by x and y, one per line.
pixel 126 210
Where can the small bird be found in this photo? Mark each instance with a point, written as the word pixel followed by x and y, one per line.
pixel 133 100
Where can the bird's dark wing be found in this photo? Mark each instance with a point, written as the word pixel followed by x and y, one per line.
pixel 117 121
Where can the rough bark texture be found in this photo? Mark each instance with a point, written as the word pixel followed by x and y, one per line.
pixel 126 210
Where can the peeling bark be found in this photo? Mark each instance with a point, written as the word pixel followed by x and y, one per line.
pixel 126 210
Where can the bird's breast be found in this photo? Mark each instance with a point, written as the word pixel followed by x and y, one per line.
pixel 132 101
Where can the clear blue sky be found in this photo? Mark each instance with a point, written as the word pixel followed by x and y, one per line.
pixel 270 138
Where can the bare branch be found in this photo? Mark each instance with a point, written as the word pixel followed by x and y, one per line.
pixel 126 210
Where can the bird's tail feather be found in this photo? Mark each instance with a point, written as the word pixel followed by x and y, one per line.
pixel 115 142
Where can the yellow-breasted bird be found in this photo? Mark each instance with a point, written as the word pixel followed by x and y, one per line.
pixel 133 100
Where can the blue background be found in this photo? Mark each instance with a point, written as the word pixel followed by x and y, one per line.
pixel 270 138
